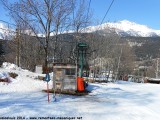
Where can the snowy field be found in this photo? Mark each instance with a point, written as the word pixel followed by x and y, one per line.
pixel 23 97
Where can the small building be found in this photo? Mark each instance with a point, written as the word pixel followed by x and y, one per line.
pixel 64 77
pixel 39 69
pixel 153 80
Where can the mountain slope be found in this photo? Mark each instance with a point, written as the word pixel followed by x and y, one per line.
pixel 126 28
pixel 6 32
pixel 123 28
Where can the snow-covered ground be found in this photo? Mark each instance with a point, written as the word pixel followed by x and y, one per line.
pixel 107 101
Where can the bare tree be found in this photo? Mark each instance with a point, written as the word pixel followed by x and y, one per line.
pixel 42 17
pixel 61 21
pixel 127 63
pixel 81 17
pixel 77 20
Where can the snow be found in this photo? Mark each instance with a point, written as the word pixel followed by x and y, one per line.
pixel 6 31
pixel 4 75
pixel 107 101
pixel 134 29
pixel 155 79
pixel 125 28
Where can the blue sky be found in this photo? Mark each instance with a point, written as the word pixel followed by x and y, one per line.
pixel 145 12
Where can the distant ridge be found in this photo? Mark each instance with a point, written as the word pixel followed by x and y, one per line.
pixel 122 28
pixel 126 28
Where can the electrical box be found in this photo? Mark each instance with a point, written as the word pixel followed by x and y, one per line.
pixel 64 76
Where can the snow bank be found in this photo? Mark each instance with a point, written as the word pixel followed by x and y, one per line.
pixel 26 81
pixel 10 66
pixel 3 75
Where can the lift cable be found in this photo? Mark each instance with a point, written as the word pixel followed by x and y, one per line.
pixel 8 23
pixel 88 8
pixel 107 11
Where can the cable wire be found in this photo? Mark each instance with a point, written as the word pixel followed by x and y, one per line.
pixel 88 8
pixel 107 11
pixel 7 22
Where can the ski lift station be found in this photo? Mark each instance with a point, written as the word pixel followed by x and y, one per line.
pixel 69 77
